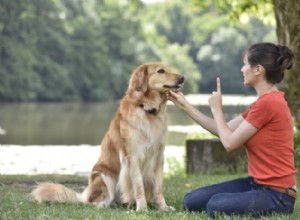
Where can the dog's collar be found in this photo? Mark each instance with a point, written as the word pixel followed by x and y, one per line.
pixel 151 111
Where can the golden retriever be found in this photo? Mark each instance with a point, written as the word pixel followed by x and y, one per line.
pixel 130 167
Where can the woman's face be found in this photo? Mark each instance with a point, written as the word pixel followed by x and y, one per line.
pixel 248 72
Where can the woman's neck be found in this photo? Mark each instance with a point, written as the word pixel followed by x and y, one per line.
pixel 265 88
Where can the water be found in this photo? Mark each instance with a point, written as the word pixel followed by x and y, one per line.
pixel 82 123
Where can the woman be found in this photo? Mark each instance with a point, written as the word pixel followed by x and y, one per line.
pixel 266 131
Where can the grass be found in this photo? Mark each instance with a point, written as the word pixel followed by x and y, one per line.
pixel 16 203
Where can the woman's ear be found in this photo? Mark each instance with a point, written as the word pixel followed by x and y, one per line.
pixel 139 79
pixel 259 69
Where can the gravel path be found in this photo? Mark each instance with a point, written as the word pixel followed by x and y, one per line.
pixel 72 160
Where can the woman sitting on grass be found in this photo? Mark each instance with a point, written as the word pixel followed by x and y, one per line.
pixel 266 131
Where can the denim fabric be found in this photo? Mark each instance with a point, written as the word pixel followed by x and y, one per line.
pixel 240 196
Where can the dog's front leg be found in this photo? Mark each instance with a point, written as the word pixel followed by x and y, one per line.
pixel 137 185
pixel 158 188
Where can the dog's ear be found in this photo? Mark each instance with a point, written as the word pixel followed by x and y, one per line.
pixel 139 79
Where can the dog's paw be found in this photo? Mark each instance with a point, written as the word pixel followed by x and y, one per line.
pixel 101 205
pixel 167 208
pixel 141 206
pixel 144 209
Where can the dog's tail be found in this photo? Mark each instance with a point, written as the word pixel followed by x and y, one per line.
pixel 52 192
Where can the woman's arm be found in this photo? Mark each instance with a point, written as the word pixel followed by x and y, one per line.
pixel 232 135
pixel 206 122
pixel 203 120
pixel 180 101
pixel 234 123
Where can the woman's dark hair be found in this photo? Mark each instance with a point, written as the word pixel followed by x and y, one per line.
pixel 274 58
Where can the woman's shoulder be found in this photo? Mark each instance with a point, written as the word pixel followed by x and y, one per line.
pixel 270 101
pixel 272 97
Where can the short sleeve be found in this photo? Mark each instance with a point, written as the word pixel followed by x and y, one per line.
pixel 259 113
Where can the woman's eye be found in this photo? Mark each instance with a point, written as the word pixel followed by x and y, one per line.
pixel 161 71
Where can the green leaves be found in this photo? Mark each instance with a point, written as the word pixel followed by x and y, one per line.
pixel 66 50
pixel 86 50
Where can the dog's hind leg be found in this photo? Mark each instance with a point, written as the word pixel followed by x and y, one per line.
pixel 96 190
pixel 110 183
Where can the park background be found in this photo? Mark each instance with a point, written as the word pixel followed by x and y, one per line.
pixel 65 64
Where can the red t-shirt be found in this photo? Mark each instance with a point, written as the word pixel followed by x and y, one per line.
pixel 270 151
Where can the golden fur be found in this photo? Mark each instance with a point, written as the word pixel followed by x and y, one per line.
pixel 130 167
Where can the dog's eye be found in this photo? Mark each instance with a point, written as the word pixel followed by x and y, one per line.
pixel 161 71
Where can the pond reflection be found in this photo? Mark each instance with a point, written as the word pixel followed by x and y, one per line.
pixel 80 123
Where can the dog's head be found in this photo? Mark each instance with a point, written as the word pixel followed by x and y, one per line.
pixel 155 76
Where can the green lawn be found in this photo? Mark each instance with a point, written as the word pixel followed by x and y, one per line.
pixel 15 201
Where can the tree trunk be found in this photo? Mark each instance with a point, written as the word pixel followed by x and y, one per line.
pixel 287 14
pixel 209 155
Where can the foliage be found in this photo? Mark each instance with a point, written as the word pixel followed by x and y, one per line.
pixel 61 50
pixel 64 50
pixel 218 57
pixel 168 39
pixel 286 15
pixel 210 38
pixel 241 9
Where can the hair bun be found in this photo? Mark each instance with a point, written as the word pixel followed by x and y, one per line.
pixel 286 57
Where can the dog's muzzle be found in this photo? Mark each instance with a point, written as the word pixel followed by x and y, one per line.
pixel 177 86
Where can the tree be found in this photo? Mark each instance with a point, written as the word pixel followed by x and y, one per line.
pixel 287 14
pixel 18 80
pixel 168 39
pixel 61 50
pixel 209 38
pixel 221 55
pixel 102 35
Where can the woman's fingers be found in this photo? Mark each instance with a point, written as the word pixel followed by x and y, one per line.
pixel 218 85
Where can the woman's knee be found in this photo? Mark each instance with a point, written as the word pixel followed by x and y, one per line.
pixel 186 202
pixel 222 203
pixel 193 202
pixel 215 205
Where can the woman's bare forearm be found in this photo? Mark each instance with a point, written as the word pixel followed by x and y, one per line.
pixel 203 120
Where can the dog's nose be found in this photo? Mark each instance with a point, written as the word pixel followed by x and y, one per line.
pixel 180 79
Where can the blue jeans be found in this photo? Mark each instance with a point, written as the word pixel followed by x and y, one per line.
pixel 241 197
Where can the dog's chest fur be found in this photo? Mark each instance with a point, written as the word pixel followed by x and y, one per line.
pixel 148 138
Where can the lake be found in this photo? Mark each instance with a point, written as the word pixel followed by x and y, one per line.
pixel 86 123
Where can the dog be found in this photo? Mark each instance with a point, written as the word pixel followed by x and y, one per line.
pixel 130 166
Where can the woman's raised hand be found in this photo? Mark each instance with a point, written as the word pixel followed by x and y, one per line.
pixel 215 100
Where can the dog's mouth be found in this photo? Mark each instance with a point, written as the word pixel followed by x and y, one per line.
pixel 174 87
pixel 177 86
